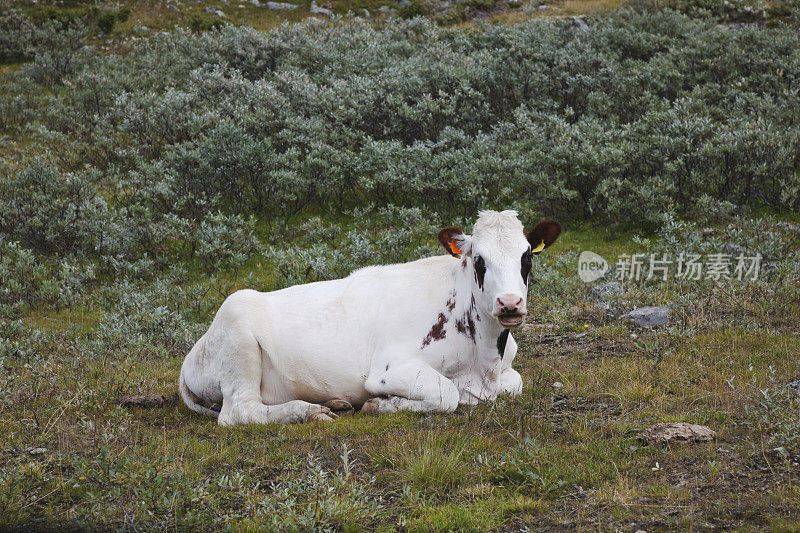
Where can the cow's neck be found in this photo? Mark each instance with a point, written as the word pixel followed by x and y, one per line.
pixel 481 329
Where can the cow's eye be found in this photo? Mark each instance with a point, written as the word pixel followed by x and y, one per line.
pixel 526 266
pixel 480 270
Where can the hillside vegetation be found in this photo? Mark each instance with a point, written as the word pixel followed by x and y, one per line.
pixel 145 175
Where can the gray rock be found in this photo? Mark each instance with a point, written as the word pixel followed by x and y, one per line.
pixel 648 317
pixel 364 12
pixel 37 451
pixel 280 6
pixel 794 387
pixel 580 23
pixel 388 11
pixel 542 8
pixel 677 432
pixel 255 3
pixel 733 249
pixel 606 290
pixel 320 10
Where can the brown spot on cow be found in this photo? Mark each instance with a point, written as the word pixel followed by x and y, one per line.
pixel 451 303
pixel 466 324
pixel 473 308
pixel 437 331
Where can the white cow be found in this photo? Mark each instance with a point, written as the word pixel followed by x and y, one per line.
pixel 419 336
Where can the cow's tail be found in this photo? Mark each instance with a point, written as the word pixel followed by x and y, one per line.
pixel 190 399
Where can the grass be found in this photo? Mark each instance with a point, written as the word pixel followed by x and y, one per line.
pixel 552 458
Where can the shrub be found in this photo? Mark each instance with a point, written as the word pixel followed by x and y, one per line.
pixel 411 9
pixel 16 36
pixel 650 112
pixel 27 282
pixel 450 120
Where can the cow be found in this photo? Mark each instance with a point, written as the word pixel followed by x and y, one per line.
pixel 422 336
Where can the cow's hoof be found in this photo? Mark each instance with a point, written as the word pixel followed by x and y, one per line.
pixel 372 406
pixel 320 413
pixel 322 417
pixel 338 405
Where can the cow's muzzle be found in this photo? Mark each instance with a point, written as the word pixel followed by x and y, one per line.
pixel 510 320
pixel 510 310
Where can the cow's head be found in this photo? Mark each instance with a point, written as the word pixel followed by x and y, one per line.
pixel 499 252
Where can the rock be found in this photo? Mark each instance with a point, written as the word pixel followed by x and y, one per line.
pixel 794 387
pixel 280 6
pixel 37 451
pixel 220 13
pixel 580 23
pixel 256 3
pixel 606 290
pixel 388 11
pixel 320 10
pixel 364 12
pixel 677 432
pixel 558 385
pixel 542 8
pixel 147 400
pixel 733 249
pixel 648 317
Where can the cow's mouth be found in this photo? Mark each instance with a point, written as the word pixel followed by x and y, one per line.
pixel 511 320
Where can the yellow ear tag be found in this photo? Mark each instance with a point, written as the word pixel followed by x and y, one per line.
pixel 538 248
pixel 454 248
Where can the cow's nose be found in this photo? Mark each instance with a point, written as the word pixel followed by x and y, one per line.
pixel 509 303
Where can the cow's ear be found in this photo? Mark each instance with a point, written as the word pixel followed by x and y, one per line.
pixel 454 241
pixel 543 235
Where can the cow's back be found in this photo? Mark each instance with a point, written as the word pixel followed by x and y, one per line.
pixel 318 339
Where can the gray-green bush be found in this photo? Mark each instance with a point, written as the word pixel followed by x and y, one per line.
pixel 647 112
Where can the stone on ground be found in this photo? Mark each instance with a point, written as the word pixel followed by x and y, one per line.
pixel 677 432
pixel 648 317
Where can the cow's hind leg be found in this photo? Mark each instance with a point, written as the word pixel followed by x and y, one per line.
pixel 410 386
pixel 241 393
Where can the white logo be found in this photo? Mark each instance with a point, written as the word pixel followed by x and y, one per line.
pixel 591 267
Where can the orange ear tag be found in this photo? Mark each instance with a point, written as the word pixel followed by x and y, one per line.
pixel 454 248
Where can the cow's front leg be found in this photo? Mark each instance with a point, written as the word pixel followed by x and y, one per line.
pixel 510 382
pixel 410 386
